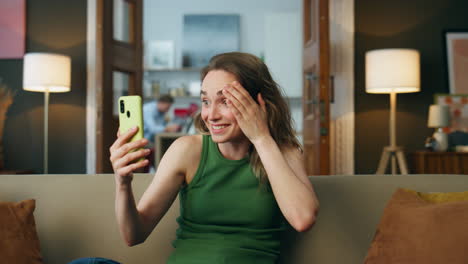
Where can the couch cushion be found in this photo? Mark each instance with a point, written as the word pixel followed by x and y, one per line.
pixel 19 243
pixel 422 228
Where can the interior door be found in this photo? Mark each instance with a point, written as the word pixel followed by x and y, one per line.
pixel 316 92
pixel 118 69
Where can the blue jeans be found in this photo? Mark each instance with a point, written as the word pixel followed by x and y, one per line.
pixel 93 261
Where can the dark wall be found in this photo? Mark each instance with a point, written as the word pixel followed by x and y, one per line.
pixel 417 24
pixel 51 26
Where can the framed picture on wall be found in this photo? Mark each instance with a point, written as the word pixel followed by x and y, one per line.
pixel 456 43
pixel 458 109
pixel 207 35
pixel 159 54
pixel 12 28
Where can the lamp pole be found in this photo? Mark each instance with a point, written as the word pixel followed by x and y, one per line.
pixel 393 130
pixel 392 152
pixel 46 130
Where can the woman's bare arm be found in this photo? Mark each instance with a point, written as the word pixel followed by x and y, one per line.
pixel 137 222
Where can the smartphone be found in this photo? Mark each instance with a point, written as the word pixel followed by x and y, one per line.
pixel 131 115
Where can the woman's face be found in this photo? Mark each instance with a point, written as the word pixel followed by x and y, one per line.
pixel 215 113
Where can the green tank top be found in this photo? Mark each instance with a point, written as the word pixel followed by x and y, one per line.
pixel 225 215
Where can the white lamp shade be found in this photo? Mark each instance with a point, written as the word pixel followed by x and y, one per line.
pixel 439 116
pixel 392 71
pixel 46 72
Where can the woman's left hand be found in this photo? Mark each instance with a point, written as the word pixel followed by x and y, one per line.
pixel 251 117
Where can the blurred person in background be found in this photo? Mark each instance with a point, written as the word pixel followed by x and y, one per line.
pixel 155 117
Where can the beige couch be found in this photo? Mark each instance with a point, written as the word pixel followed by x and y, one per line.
pixel 75 216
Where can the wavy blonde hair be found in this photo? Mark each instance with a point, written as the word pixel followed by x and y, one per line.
pixel 255 77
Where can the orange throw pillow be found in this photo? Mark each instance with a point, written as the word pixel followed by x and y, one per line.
pixel 19 243
pixel 419 228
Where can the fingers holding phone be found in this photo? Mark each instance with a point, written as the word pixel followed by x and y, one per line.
pixel 128 156
pixel 127 153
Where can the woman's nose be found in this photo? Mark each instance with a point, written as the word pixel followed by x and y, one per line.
pixel 214 113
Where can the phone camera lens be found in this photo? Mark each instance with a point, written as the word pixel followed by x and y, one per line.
pixel 122 106
pixel 128 114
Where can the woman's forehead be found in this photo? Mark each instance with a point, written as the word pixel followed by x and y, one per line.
pixel 215 80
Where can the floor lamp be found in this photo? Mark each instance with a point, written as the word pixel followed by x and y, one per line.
pixel 47 73
pixel 392 71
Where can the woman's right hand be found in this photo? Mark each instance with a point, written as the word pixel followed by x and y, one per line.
pixel 123 154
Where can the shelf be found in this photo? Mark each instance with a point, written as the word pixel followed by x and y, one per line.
pixel 188 97
pixel 174 70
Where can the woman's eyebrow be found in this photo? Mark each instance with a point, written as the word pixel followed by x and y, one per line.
pixel 218 93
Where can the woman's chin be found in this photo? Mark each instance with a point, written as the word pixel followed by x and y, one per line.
pixel 227 137
pixel 219 138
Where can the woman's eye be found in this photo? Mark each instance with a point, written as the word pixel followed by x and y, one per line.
pixel 225 101
pixel 204 102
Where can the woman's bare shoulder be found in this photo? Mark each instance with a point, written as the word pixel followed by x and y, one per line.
pixel 189 149
pixel 189 146
pixel 183 153
pixel 189 141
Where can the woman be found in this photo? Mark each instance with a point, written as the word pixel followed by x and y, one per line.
pixel 237 182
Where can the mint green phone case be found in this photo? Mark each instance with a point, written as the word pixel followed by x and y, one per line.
pixel 130 115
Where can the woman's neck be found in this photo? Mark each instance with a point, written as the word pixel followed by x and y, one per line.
pixel 234 150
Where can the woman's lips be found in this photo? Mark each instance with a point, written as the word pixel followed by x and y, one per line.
pixel 218 129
